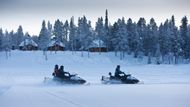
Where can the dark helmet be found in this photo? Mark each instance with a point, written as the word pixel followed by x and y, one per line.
pixel 118 66
pixel 110 74
pixel 61 67
pixel 56 66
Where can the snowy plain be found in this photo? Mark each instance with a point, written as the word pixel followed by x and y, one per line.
pixel 22 75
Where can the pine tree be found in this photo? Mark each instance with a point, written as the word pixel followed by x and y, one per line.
pixel 72 34
pixel 176 40
pixel 154 32
pixel 11 36
pixel 44 37
pixel 113 31
pixel 1 39
pixel 158 54
pixel 106 20
pixel 151 39
pixel 66 30
pixel 139 49
pixel 142 30
pixel 161 40
pixel 19 36
pixel 99 29
pixel 165 33
pixel 120 40
pixel 6 44
pixel 83 33
pixel 131 35
pixel 59 31
pixel 136 45
pixel 49 27
pixel 185 37
pixel 107 30
pixel 124 37
pixel 90 35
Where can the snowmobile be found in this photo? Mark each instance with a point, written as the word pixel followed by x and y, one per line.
pixel 124 79
pixel 71 79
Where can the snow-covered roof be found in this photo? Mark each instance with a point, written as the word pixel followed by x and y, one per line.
pixel 97 43
pixel 54 42
pixel 28 42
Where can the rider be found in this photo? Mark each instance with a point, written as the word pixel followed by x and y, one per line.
pixel 118 72
pixel 56 72
pixel 111 76
pixel 63 73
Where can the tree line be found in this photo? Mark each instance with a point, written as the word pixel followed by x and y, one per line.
pixel 167 43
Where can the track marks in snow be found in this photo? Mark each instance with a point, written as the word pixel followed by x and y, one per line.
pixel 4 89
pixel 67 100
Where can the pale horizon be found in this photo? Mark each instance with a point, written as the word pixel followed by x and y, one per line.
pixel 30 14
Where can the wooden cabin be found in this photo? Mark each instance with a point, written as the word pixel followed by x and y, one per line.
pixel 97 46
pixel 28 45
pixel 56 46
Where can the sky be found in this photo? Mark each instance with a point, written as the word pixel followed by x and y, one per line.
pixel 30 13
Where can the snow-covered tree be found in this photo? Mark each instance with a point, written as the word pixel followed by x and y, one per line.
pixel 106 20
pixel 185 37
pixel 44 37
pixel 107 30
pixel 49 27
pixel 153 36
pixel 11 36
pixel 19 36
pixel 100 31
pixel 66 30
pixel 176 40
pixel 142 32
pixel 165 40
pixel 120 41
pixel 84 33
pixel 158 54
pixel 131 35
pixel 139 46
pixel 6 44
pixel 136 45
pixel 1 39
pixel 72 34
pixel 59 31
pixel 113 36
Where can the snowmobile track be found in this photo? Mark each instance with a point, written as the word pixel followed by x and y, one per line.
pixel 64 99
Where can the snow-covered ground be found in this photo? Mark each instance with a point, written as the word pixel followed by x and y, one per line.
pixel 22 75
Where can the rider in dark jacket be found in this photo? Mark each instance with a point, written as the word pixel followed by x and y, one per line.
pixel 118 72
pixel 63 73
pixel 56 72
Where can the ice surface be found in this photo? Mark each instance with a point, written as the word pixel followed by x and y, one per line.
pixel 22 75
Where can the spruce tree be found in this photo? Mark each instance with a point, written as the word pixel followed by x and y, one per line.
pixel 83 33
pixel 158 54
pixel 72 34
pixel 59 31
pixel 142 30
pixel 44 37
pixel 185 37
pixel 1 39
pixel 19 36
pixel 99 29
pixel 131 35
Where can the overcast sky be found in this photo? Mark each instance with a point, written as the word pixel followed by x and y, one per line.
pixel 30 13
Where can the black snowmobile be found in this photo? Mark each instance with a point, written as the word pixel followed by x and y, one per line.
pixel 71 79
pixel 124 79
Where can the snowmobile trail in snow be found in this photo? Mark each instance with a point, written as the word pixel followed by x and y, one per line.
pixel 4 89
pixel 62 98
